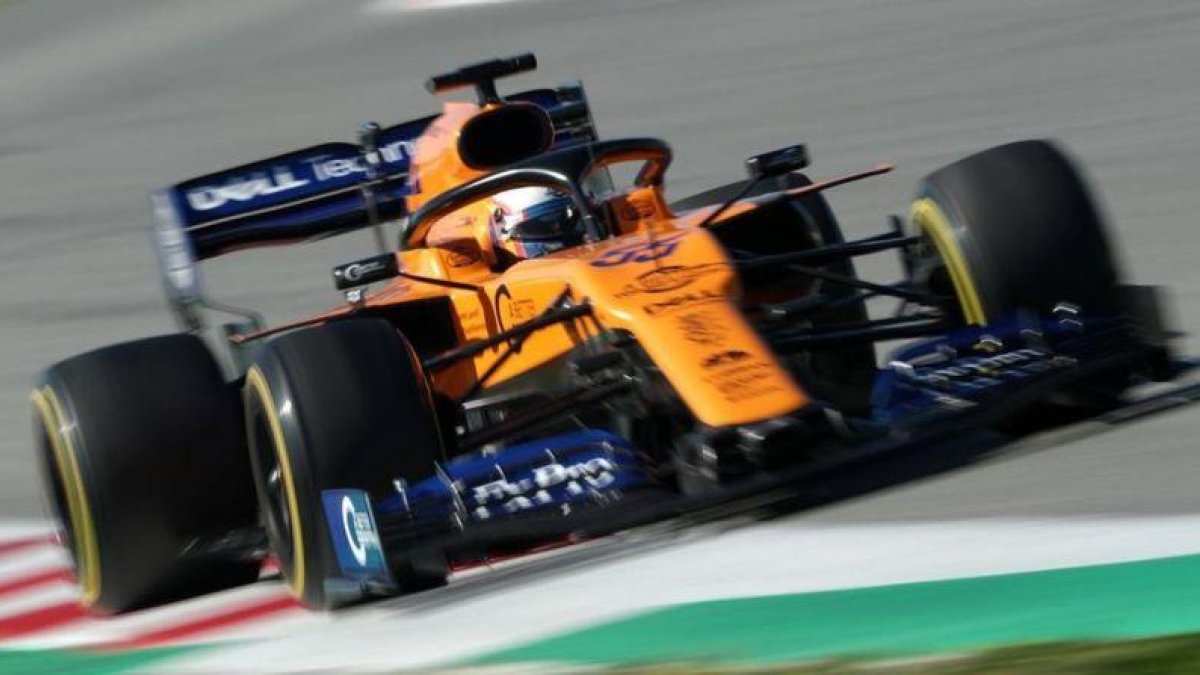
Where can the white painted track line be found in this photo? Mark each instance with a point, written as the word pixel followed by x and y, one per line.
pixel 31 561
pixel 102 630
pixel 17 604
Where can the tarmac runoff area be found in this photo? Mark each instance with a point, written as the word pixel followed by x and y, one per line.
pixel 101 101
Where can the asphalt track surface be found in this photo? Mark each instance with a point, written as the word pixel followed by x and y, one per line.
pixel 102 100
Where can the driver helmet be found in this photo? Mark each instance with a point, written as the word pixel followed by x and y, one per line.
pixel 533 221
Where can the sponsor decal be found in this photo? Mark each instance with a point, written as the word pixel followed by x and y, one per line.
pixel 244 189
pixel 357 528
pixel 285 178
pixel 666 279
pixel 365 271
pixel 355 536
pixel 646 250
pixel 985 371
pixel 326 167
pixel 503 298
pixel 397 151
pixel 511 312
pixel 512 496
pixel 739 375
pixel 743 382
pixel 725 358
pixel 355 272
pixel 701 328
pixel 681 301
pixel 522 310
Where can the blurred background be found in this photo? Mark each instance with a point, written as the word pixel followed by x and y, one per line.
pixel 100 101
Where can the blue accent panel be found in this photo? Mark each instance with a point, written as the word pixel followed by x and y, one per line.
pixel 972 366
pixel 311 193
pixel 355 536
pixel 556 473
pixel 550 100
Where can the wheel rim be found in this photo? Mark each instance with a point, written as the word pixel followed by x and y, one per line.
pixel 57 495
pixel 275 508
pixel 68 488
pixel 932 224
pixel 281 508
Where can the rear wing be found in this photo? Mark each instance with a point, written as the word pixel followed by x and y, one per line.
pixel 308 194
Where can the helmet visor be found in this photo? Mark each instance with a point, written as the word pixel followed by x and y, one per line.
pixel 551 219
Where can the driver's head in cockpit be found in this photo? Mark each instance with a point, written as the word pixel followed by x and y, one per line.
pixel 533 221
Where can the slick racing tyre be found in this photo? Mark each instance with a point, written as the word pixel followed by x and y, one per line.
pixel 841 375
pixel 1013 228
pixel 144 462
pixel 345 405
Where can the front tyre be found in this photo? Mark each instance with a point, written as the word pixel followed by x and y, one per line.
pixel 345 405
pixel 1014 228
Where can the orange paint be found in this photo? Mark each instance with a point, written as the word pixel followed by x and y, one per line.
pixel 660 278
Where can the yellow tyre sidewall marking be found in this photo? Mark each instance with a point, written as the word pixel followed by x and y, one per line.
pixel 256 381
pixel 927 217
pixel 66 463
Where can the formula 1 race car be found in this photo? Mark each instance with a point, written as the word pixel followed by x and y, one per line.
pixel 552 353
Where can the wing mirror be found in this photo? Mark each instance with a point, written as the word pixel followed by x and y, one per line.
pixel 778 162
pixel 366 271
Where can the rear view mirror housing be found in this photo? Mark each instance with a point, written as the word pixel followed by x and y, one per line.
pixel 366 271
pixel 778 162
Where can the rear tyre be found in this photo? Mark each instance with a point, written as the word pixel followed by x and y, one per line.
pixel 345 405
pixel 1014 228
pixel 144 461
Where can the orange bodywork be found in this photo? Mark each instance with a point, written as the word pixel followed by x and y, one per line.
pixel 660 278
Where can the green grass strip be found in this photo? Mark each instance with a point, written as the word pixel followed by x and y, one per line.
pixel 69 662
pixel 1107 602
